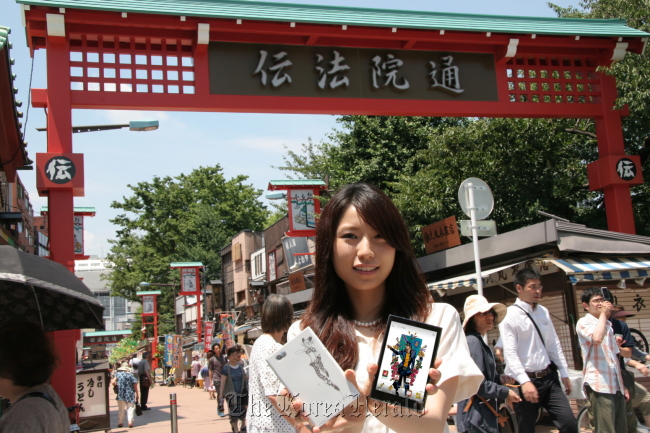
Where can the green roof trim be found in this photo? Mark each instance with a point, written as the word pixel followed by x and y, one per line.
pixel 107 333
pixel 354 16
pixel 150 292
pixel 4 36
pixel 76 209
pixel 292 182
pixel 186 265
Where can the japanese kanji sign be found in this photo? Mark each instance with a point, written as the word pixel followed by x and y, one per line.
pixel 296 252
pixel 615 170
pixel 297 281
pixel 441 235
pixel 60 171
pixel 92 395
pixel 291 70
pixel 102 339
pixel 78 234
pixel 209 330
pixel 189 281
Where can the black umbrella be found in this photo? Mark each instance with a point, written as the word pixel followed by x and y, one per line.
pixel 40 290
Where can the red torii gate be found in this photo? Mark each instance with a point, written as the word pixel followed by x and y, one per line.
pixel 202 56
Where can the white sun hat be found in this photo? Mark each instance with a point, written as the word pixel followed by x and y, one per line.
pixel 478 304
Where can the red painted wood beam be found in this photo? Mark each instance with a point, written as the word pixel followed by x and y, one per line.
pixel 111 23
pixel 305 105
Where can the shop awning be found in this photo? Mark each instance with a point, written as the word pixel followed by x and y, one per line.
pixel 492 277
pixel 605 268
pixel 241 329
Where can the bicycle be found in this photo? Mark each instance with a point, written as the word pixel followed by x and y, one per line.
pixel 639 340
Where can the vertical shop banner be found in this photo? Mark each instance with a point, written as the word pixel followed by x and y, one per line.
pixel 148 308
pixel 272 270
pixel 169 350
pixel 228 329
pixel 78 235
pixel 177 357
pixel 207 339
pixel 189 281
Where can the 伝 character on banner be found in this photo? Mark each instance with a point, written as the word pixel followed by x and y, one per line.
pixel 280 62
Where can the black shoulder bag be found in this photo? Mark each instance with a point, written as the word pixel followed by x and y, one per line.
pixel 553 366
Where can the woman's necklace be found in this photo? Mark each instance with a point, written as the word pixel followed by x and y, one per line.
pixel 366 324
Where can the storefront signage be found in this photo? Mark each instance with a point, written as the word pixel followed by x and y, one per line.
pixel 209 330
pixel 296 252
pixel 272 270
pixel 297 282
pixel 292 70
pixel 169 350
pixel 78 235
pixel 102 339
pixel 441 235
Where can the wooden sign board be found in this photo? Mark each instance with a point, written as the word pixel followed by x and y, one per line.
pixel 92 397
pixel 441 235
pixel 297 282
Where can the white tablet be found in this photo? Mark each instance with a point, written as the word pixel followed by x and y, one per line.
pixel 311 374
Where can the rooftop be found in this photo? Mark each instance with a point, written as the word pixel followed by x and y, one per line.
pixel 354 16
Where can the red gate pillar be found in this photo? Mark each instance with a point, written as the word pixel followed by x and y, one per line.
pixel 618 200
pixel 60 202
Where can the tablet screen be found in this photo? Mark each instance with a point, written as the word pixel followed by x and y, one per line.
pixel 408 353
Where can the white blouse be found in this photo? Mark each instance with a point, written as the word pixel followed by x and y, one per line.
pixel 453 349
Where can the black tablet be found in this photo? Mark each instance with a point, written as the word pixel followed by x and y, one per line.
pixel 408 351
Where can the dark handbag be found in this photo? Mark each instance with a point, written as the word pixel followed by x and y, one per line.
pixel 144 381
pixel 628 382
pixel 138 408
pixel 115 389
pixel 506 417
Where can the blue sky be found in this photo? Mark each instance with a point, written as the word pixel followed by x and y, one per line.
pixel 248 144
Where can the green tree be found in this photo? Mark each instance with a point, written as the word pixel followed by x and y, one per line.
pixel 633 89
pixel 374 149
pixel 181 219
pixel 530 165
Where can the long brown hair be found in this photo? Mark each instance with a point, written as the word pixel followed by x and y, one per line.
pixel 330 314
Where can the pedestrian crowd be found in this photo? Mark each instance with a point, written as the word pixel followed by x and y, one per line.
pixel 366 271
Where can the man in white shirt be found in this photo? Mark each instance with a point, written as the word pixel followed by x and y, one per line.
pixel 534 360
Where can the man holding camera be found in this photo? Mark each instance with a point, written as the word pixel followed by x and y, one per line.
pixel 602 372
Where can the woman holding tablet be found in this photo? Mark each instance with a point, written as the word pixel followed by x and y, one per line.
pixel 480 317
pixel 365 271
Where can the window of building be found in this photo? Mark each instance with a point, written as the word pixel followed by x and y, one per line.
pixel 247 265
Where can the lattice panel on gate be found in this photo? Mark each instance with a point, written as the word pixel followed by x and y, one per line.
pixel 116 65
pixel 553 80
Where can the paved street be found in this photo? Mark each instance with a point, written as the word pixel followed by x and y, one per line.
pixel 196 413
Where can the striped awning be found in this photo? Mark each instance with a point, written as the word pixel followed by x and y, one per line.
pixel 494 276
pixel 604 268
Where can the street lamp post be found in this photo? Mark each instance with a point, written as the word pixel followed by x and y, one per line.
pixel 133 125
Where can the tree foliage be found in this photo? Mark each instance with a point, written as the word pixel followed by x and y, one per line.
pixel 188 218
pixel 633 88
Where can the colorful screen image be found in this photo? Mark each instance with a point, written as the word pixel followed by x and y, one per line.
pixel 403 369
